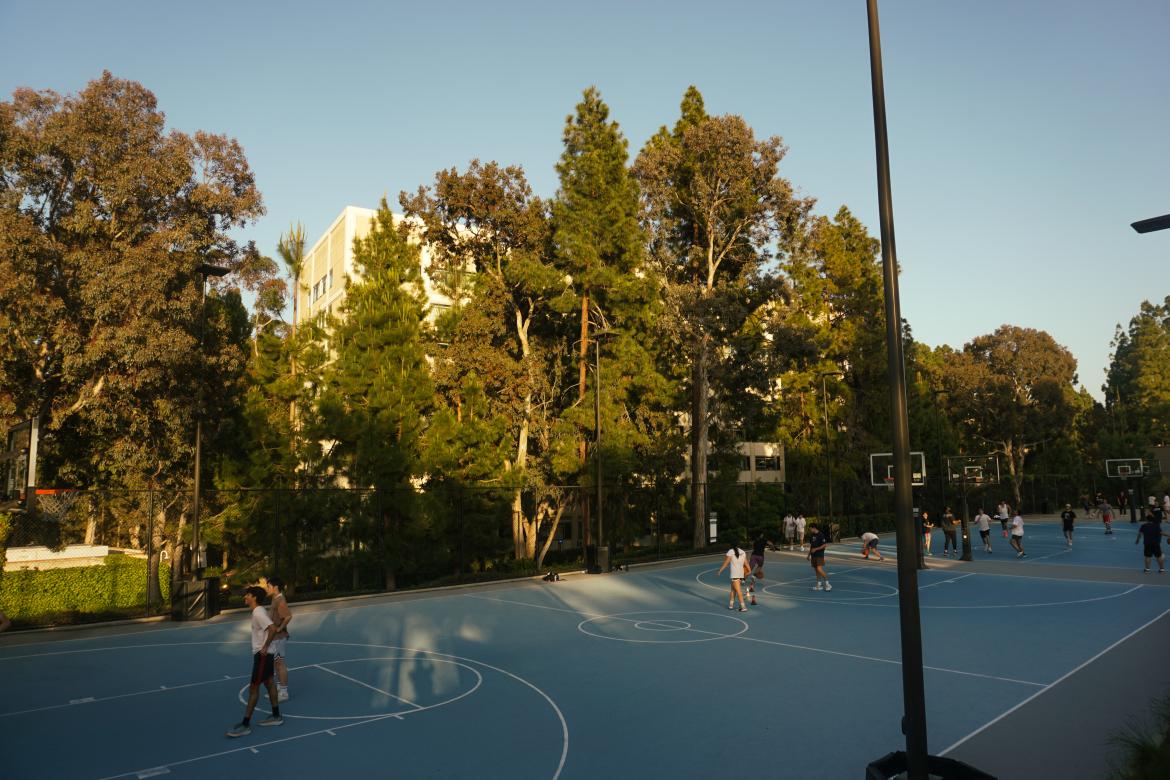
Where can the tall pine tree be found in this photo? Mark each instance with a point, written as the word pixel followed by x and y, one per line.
pixel 378 387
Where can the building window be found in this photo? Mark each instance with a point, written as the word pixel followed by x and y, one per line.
pixel 767 463
pixel 745 463
pixel 329 280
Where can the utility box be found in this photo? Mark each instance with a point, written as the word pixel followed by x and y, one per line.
pixel 195 599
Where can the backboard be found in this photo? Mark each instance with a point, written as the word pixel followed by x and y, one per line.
pixel 18 461
pixel 881 469
pixel 1128 468
pixel 973 469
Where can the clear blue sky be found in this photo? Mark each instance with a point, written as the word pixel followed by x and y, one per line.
pixel 1025 135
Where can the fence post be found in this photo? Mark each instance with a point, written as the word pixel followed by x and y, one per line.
pixel 149 549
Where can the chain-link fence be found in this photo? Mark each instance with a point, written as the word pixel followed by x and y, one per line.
pixel 97 554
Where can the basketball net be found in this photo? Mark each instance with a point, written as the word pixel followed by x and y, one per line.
pixel 55 504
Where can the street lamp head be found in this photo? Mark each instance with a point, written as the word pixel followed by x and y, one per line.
pixel 1152 224
pixel 207 269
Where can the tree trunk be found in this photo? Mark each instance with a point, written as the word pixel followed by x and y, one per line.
pixel 699 446
pixel 552 532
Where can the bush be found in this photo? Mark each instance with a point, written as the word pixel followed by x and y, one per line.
pixel 115 586
pixel 1146 747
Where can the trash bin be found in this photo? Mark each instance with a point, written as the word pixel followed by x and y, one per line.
pixel 195 599
pixel 603 558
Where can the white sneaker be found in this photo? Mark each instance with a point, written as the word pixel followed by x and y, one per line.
pixel 828 586
pixel 281 694
pixel 818 586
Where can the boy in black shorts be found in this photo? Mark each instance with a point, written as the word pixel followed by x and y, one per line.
pixel 263 665
pixel 816 556
pixel 1067 518
pixel 1151 532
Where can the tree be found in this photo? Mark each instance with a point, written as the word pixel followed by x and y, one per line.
pixel 597 239
pixel 377 391
pixel 715 207
pixel 489 220
pixel 1013 390
pixel 1137 387
pixel 104 218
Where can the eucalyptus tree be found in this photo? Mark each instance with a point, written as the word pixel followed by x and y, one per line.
pixel 490 240
pixel 717 213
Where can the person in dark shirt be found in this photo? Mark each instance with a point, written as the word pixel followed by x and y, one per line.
pixel 1067 518
pixel 757 563
pixel 1151 531
pixel 816 555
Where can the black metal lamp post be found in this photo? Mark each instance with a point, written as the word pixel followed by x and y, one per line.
pixel 204 270
pixel 913 687
pixel 828 442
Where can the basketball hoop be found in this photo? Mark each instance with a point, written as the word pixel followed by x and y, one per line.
pixel 55 503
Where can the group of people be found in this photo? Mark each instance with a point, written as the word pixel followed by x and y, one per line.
pixel 793 527
pixel 746 571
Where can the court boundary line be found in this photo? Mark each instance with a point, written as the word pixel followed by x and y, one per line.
pixel 1055 682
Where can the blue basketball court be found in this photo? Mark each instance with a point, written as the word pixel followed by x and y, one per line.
pixel 641 673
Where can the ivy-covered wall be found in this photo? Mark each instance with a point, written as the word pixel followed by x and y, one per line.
pixel 118 585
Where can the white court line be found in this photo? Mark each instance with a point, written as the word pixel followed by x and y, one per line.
pixel 364 685
pixel 892 661
pixel 946 582
pixel 332 729
pixel 160 689
pixel 1054 683
pixel 786 644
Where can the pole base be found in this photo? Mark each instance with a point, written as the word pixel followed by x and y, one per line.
pixel 893 765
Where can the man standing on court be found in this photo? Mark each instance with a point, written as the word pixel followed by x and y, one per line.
pixel 1017 537
pixel 1106 516
pixel 789 529
pixel 983 520
pixel 950 525
pixel 280 615
pixel 1067 518
pixel 263 632
pixel 816 556
pixel 1151 532
pixel 800 530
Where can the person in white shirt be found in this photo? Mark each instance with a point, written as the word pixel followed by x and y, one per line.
pixel 263 632
pixel 869 544
pixel 800 521
pixel 789 529
pixel 1017 537
pixel 737 559
pixel 1003 514
pixel 983 520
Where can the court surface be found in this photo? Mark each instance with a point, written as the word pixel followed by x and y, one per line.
pixel 641 673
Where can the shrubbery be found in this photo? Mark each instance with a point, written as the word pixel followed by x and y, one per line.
pixel 113 587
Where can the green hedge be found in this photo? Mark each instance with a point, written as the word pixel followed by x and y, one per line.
pixel 115 586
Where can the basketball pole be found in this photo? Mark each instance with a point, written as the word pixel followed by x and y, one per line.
pixel 913 688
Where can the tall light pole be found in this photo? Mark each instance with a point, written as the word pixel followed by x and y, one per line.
pixel 828 445
pixel 204 270
pixel 601 549
pixel 913 687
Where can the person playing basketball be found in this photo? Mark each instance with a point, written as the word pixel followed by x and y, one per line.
pixel 757 564
pixel 737 560
pixel 869 545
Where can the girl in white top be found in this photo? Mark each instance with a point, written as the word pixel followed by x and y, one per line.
pixel 737 559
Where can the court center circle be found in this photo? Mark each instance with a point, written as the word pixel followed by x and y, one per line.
pixel 699 627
